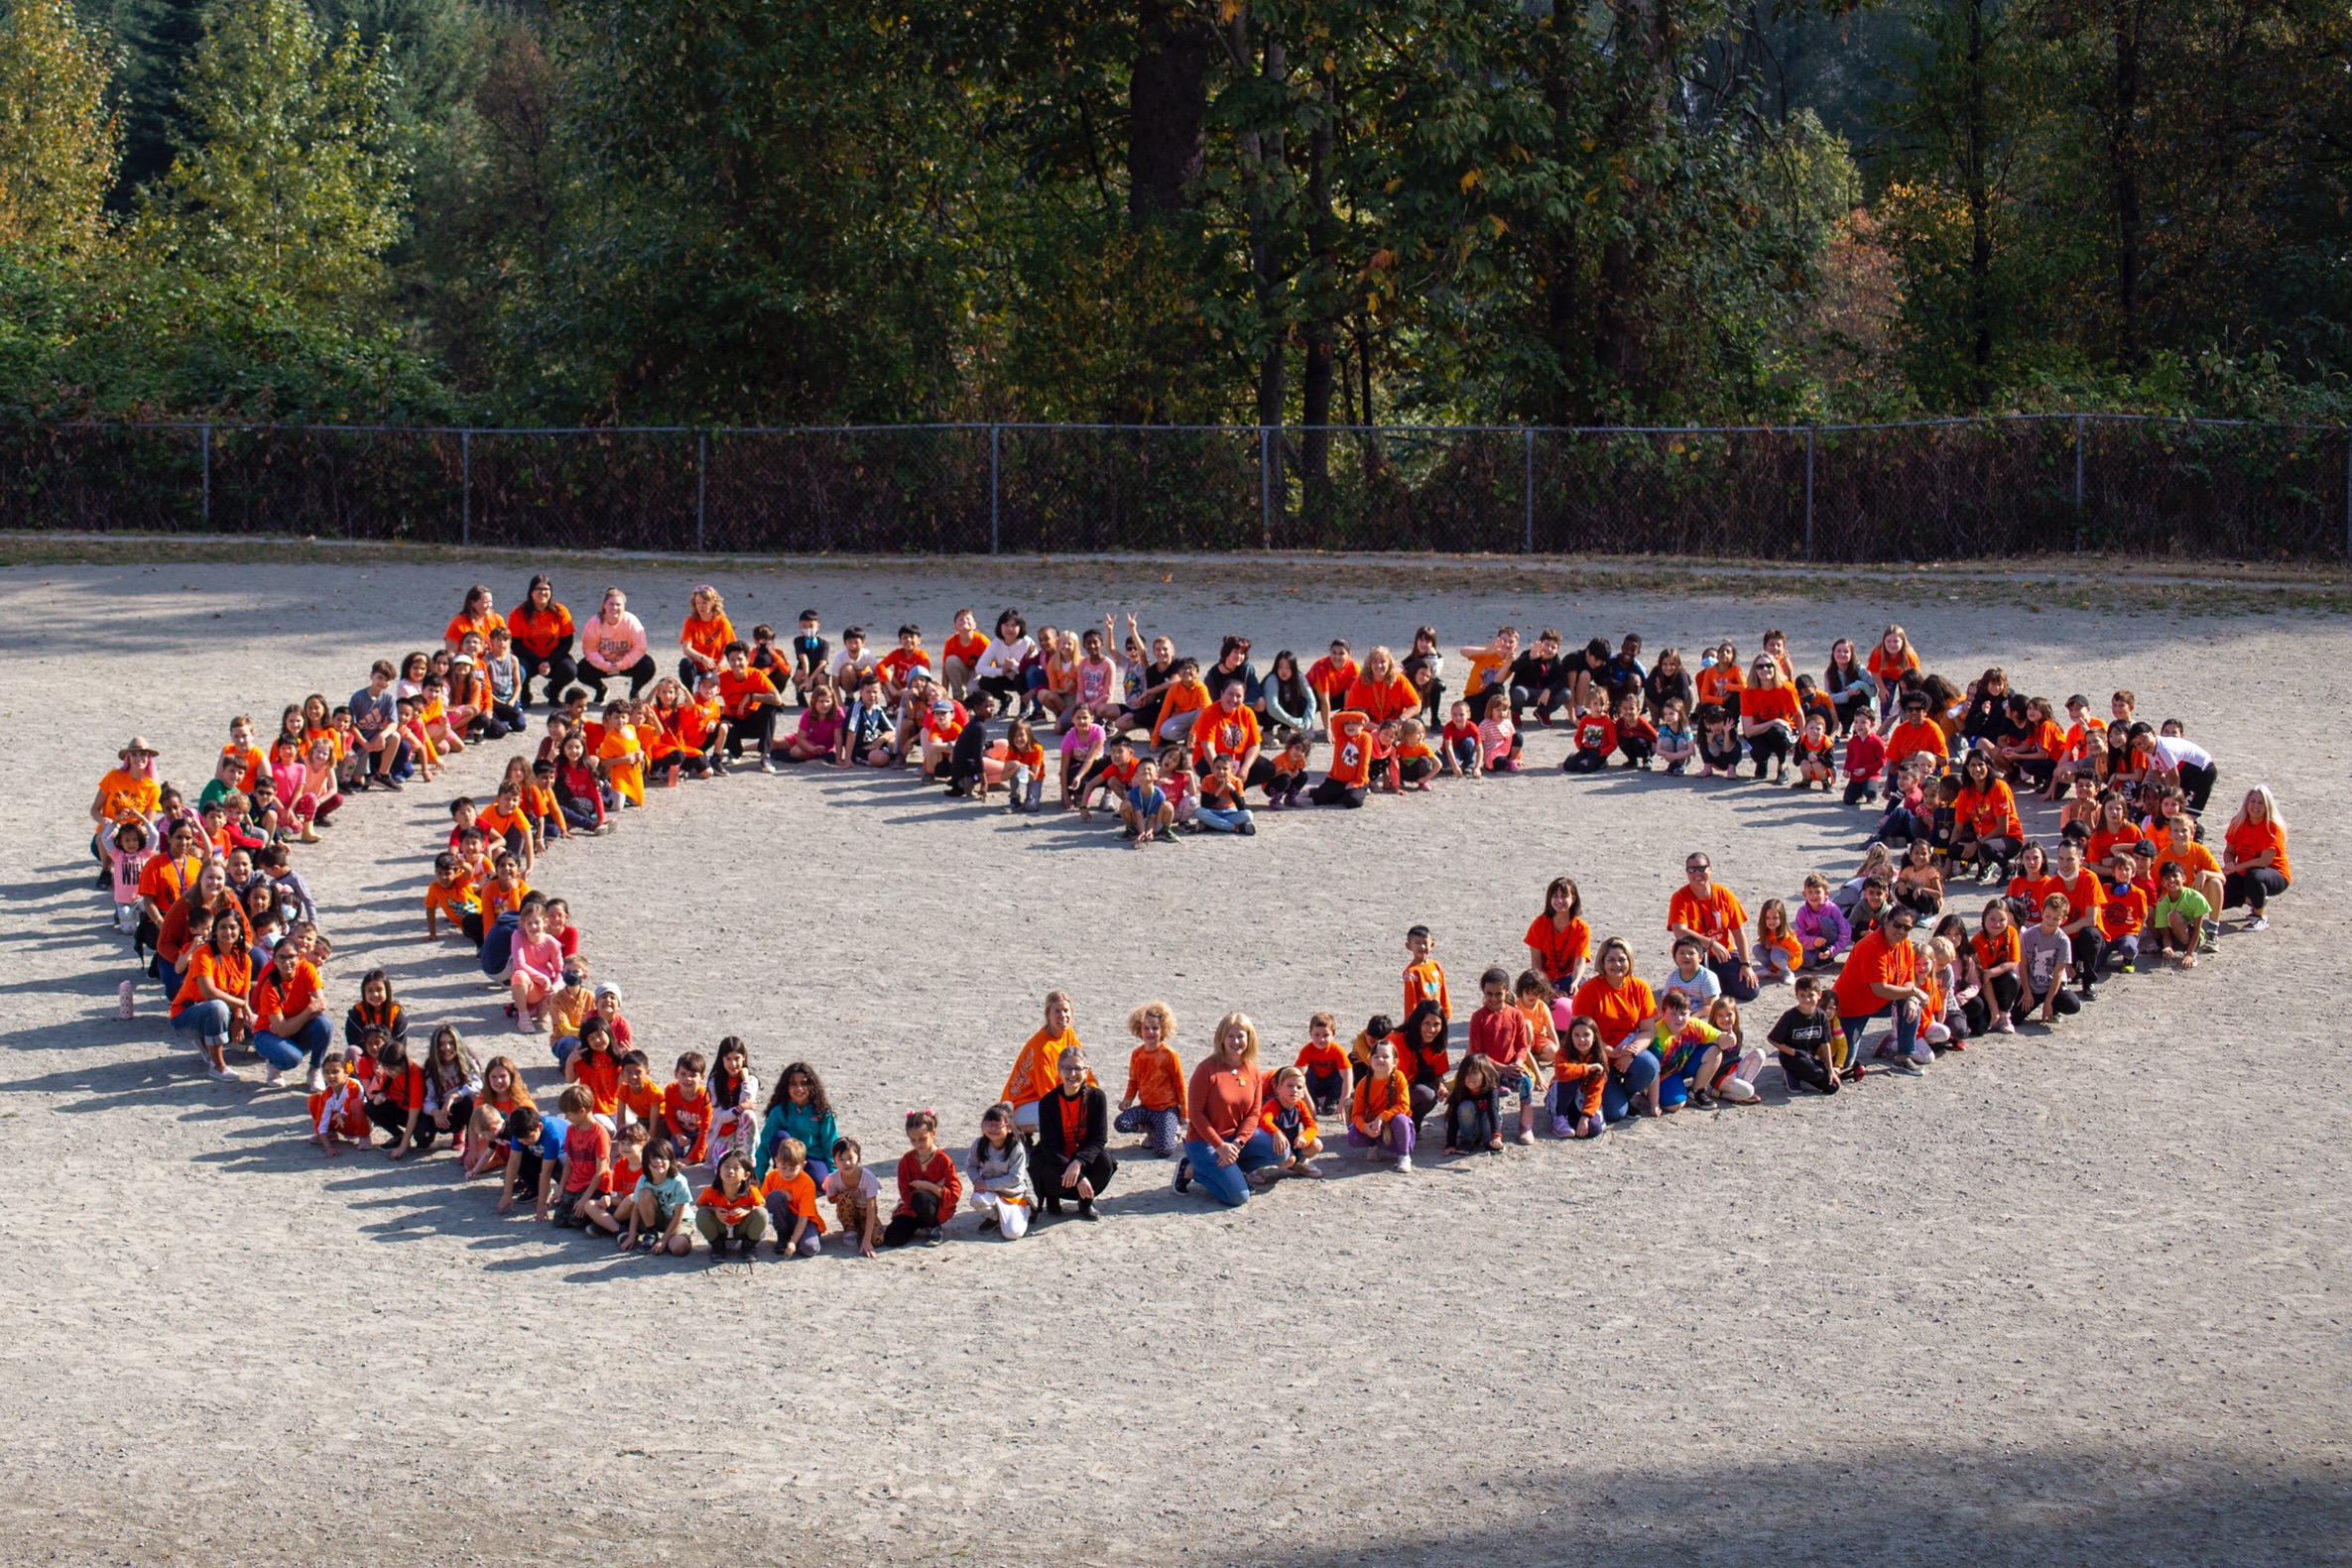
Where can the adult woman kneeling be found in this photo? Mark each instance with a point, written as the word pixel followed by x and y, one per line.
pixel 1225 1144
pixel 1074 1125
pixel 2254 865
pixel 1623 1010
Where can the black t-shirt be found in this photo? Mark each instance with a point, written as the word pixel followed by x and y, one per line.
pixel 1796 1031
pixel 809 653
pixel 1534 671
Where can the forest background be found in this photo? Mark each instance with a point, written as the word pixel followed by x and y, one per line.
pixel 1285 211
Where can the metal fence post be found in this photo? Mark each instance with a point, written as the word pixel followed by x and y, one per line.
pixel 2348 492
pixel 208 479
pixel 995 487
pixel 2079 433
pixel 1265 487
pixel 465 487
pixel 701 478
pixel 1527 491
pixel 1809 492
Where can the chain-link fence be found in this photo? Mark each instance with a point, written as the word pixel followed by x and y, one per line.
pixel 1928 490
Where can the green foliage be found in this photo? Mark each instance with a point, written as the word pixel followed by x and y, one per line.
pixel 291 183
pixel 58 137
pixel 758 211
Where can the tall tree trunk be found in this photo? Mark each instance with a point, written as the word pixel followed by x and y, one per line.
pixel 1322 301
pixel 1167 107
pixel 1976 176
pixel 1565 330
pixel 2124 152
pixel 1639 110
pixel 1263 154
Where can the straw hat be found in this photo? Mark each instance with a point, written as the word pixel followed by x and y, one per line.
pixel 137 748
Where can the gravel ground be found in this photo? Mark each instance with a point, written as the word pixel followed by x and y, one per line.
pixel 2065 1297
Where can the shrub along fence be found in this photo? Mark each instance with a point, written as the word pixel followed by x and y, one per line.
pixel 1939 489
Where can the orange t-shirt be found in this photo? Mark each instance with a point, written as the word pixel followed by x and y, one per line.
pixel 277 998
pixel 164 879
pixel 1559 949
pixel 730 1211
pixel 966 646
pixel 1716 680
pixel 1761 704
pixel 1991 811
pixel 1887 669
pixel 536 632
pixel 800 1194
pixel 707 637
pixel 1222 734
pixel 1715 918
pixel 2083 894
pixel 1155 1079
pixel 1351 755
pixel 1616 1011
pixel 232 975
pixel 459 624
pixel 1426 982
pixel 2124 913
pixel 736 691
pixel 1186 696
pixel 127 797
pixel 1874 961
pixel 2245 840
pixel 1392 700
pixel 1914 735
pixel 1991 954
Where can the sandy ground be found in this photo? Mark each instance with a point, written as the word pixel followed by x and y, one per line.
pixel 2068 1298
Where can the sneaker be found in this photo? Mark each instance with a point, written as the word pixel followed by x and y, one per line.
pixel 2256 922
pixel 988 1227
pixel 2209 945
pixel 1560 1126
pixel 1248 831
pixel 315 1083
pixel 1526 1135
pixel 766 766
pixel 224 1075
pixel 934 1236
pixel 1704 1098
pixel 2088 994
pixel 386 782
pixel 273 1079
pixel 2004 1024
pixel 1405 1165
pixel 1184 1176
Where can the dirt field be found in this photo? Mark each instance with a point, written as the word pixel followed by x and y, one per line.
pixel 2074 1297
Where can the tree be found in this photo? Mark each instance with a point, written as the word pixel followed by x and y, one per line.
pixel 59 139
pixel 289 179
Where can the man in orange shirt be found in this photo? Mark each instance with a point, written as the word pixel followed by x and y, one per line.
pixel 1881 980
pixel 1916 733
pixel 1711 913
pixel 749 700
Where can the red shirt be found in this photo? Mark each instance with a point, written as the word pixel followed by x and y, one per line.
pixel 1502 1033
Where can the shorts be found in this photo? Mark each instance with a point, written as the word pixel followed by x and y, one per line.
pixel 565 1211
pixel 664 1213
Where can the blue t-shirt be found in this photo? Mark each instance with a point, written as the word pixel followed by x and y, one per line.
pixel 1147 802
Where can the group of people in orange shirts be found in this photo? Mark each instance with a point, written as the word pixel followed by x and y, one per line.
pixel 216 912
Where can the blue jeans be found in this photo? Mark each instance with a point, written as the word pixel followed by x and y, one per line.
pixel 1218 821
pixel 1229 1184
pixel 1906 1030
pixel 1616 1094
pixel 310 1040
pixel 206 1022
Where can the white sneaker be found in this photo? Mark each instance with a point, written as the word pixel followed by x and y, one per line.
pixel 1405 1165
pixel 315 1083
pixel 225 1075
pixel 273 1079
pixel 2256 922
pixel 2004 1024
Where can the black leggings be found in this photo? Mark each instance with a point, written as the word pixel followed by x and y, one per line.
pixel 2253 888
pixel 1097 1171
pixel 1332 792
pixel 554 673
pixel 1987 851
pixel 902 1228
pixel 1007 689
pixel 639 675
pixel 1725 759
pixel 2001 991
pixel 1769 744
pixel 394 1120
pixel 1636 749
pixel 1583 760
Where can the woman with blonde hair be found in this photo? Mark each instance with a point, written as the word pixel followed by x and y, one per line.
pixel 1224 1146
pixel 2253 859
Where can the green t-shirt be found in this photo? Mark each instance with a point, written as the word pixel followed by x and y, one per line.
pixel 2191 905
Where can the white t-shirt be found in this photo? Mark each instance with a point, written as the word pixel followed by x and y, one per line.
pixel 2175 750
